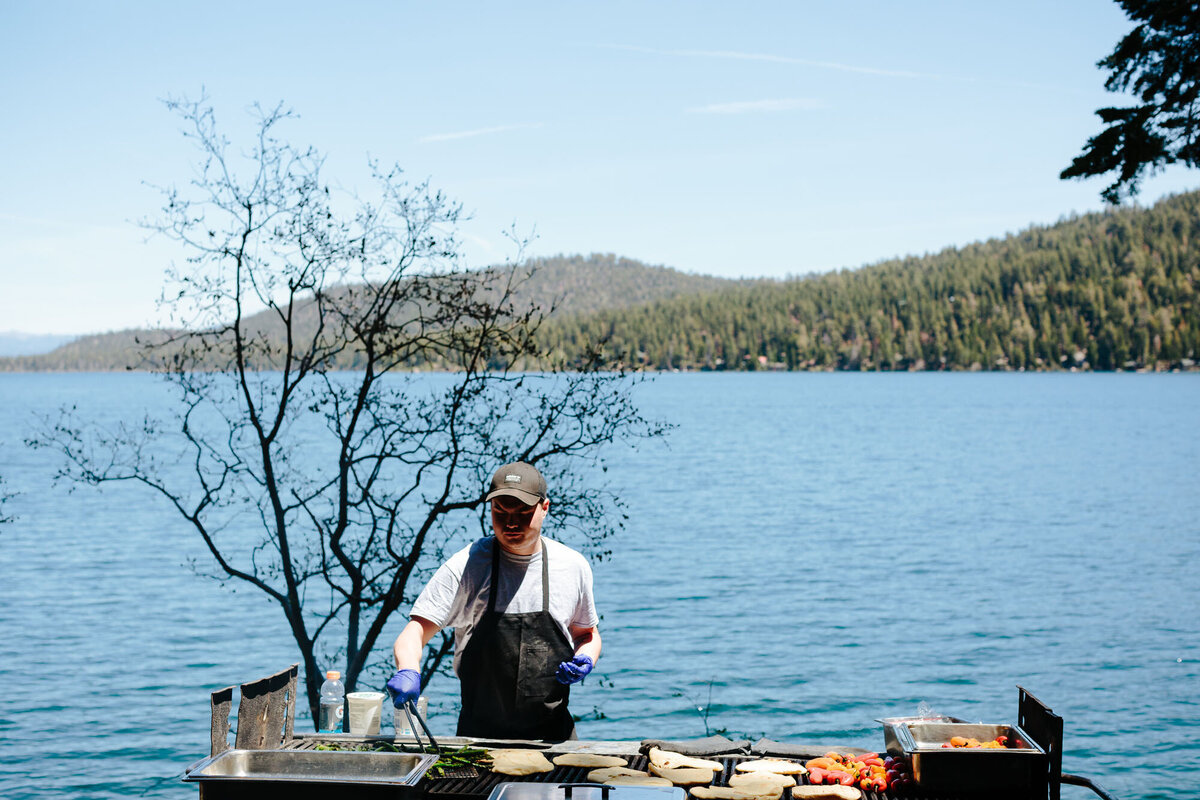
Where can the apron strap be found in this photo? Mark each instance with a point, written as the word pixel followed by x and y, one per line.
pixel 496 576
pixel 545 576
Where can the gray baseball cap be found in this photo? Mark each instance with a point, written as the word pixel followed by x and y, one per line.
pixel 519 480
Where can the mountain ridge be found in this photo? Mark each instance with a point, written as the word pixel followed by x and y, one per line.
pixel 1109 290
pixel 561 284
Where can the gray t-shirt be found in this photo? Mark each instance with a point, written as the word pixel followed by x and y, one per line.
pixel 457 595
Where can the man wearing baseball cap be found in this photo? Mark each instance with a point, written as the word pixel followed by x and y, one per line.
pixel 524 620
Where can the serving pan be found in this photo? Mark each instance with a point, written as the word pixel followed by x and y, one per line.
pixel 1023 764
pixel 237 773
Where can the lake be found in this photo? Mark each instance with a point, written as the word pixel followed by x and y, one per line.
pixel 805 553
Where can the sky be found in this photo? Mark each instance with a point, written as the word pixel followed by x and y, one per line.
pixel 732 138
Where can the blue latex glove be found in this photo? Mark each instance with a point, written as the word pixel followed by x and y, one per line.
pixel 575 670
pixel 404 686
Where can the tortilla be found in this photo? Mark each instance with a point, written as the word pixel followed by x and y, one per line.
pixel 838 792
pixel 771 765
pixel 683 776
pixel 636 780
pixel 588 760
pixel 761 787
pixel 606 774
pixel 773 778
pixel 519 762
pixel 669 760
pixel 759 791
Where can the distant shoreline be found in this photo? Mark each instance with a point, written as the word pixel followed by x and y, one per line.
pixel 1161 370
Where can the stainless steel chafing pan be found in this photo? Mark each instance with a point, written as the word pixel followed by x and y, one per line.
pixel 237 772
pixel 1021 765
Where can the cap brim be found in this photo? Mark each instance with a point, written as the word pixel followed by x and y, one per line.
pixel 528 498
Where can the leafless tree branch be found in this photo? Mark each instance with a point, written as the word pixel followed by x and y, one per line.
pixel 303 449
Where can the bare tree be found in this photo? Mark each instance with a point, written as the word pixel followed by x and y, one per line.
pixel 329 490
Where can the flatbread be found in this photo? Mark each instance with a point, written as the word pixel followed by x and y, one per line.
pixel 683 776
pixel 761 787
pixel 589 760
pixel 771 765
pixel 752 778
pixel 636 780
pixel 760 791
pixel 837 792
pixel 670 760
pixel 519 762
pixel 606 774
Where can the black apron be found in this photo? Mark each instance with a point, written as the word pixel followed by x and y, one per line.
pixel 507 671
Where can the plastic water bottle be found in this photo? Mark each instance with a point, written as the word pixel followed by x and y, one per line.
pixel 333 697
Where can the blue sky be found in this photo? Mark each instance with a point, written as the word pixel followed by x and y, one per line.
pixel 735 139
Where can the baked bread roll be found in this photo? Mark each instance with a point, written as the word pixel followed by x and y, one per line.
pixel 683 776
pixel 756 791
pixel 588 760
pixel 638 780
pixel 519 762
pixel 667 759
pixel 771 765
pixel 607 774
pixel 774 778
pixel 837 792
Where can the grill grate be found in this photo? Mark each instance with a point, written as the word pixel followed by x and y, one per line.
pixel 479 786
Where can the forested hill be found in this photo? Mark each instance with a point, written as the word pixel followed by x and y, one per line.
pixel 566 284
pixel 1113 290
pixel 573 284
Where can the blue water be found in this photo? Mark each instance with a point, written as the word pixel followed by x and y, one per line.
pixel 804 553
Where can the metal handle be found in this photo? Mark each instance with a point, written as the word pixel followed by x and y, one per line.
pixel 410 708
pixel 567 787
pixel 1079 780
pixel 412 726
pixel 190 767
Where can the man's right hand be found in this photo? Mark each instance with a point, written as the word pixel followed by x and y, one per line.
pixel 404 686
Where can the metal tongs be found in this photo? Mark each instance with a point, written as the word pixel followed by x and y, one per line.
pixel 410 711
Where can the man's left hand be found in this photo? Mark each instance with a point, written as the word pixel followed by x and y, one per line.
pixel 575 670
pixel 404 687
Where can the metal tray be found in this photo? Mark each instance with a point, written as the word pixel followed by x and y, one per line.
pixel 891 744
pixel 313 767
pixel 1023 765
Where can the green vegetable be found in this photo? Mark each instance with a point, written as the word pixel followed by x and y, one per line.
pixel 359 747
pixel 450 761
pixel 462 758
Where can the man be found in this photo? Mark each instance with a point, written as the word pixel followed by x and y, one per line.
pixel 524 619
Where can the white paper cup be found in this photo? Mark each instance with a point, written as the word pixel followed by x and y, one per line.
pixel 364 709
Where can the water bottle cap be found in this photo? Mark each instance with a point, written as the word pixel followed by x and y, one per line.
pixel 333 675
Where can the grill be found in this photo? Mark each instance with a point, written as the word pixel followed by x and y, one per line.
pixel 267 708
pixel 480 788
